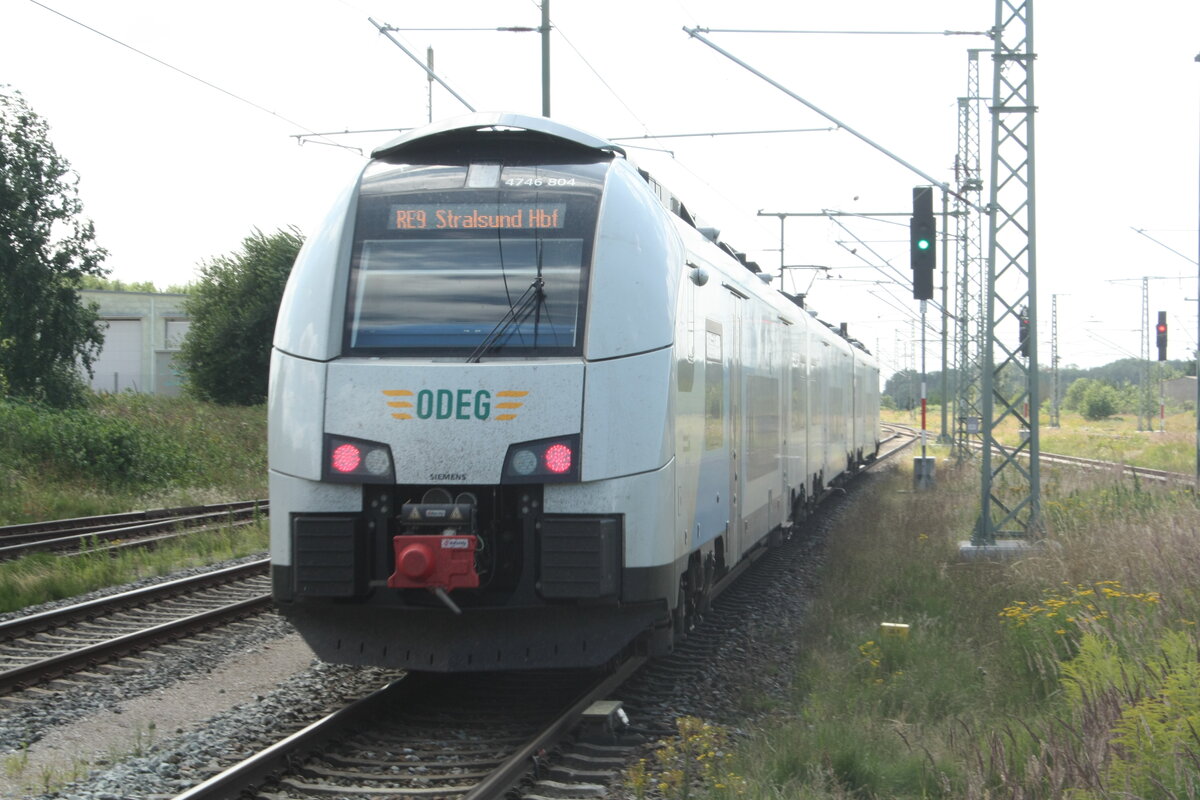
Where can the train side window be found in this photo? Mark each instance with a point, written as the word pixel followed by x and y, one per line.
pixel 714 388
pixel 762 396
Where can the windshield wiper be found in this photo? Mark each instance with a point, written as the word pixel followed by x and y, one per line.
pixel 531 299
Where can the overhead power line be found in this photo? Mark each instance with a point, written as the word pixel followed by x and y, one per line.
pixel 847 33
pixel 714 134
pixel 187 74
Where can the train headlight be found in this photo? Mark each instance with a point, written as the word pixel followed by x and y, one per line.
pixel 349 460
pixel 543 461
pixel 524 462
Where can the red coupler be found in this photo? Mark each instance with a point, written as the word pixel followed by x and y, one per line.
pixel 429 562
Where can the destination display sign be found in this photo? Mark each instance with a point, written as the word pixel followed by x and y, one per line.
pixel 465 216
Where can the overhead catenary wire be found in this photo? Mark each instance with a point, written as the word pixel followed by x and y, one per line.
pixel 187 74
pixel 845 33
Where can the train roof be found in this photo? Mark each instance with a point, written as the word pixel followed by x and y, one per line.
pixel 450 128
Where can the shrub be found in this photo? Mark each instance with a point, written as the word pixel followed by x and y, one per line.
pixel 1099 401
pixel 80 442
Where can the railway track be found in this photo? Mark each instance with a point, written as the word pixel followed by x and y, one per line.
pixel 1161 475
pixel 477 736
pixel 896 439
pixel 1157 475
pixel 42 647
pixel 895 432
pixel 472 736
pixel 133 529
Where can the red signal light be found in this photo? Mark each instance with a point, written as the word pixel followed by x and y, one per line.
pixel 1160 331
pixel 346 458
pixel 558 458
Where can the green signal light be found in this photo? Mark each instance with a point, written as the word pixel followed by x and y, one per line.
pixel 922 244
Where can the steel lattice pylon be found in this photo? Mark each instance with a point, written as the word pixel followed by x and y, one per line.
pixel 1010 474
pixel 969 308
pixel 1054 388
pixel 1145 422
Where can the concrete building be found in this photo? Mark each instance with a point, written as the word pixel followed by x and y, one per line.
pixel 1181 391
pixel 142 334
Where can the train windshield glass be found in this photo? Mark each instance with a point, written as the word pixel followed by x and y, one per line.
pixel 459 259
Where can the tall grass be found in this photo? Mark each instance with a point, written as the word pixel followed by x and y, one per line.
pixel 42 577
pixel 124 452
pixel 1069 672
pixel 1114 439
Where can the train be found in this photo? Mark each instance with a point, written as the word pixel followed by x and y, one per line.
pixel 526 412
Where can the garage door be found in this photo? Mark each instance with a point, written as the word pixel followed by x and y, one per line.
pixel 119 366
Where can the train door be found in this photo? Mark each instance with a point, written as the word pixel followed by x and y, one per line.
pixel 737 460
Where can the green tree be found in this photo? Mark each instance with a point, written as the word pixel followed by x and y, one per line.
pixel 1073 401
pixel 48 335
pixel 1099 401
pixel 104 284
pixel 226 355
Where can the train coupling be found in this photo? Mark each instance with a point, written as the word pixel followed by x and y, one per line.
pixel 438 561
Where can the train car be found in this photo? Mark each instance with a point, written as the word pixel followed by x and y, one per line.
pixel 524 413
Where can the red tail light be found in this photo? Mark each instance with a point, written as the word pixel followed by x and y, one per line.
pixel 356 461
pixel 559 458
pixel 346 458
pixel 542 461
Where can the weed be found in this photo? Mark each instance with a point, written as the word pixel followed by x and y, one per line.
pixel 695 761
pixel 16 763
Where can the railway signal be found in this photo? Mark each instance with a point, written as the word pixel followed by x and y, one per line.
pixel 922 236
pixel 1023 320
pixel 1160 332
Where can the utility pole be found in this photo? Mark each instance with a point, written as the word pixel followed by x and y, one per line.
pixel 1054 388
pixel 944 437
pixel 1010 488
pixel 545 31
pixel 1144 367
pixel 429 77
pixel 971 279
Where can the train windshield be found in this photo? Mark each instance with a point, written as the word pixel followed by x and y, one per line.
pixel 472 260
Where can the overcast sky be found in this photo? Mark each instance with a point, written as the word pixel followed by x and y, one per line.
pixel 181 157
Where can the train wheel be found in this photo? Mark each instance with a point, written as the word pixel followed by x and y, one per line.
pixel 691 594
pixel 799 508
pixel 679 617
pixel 710 571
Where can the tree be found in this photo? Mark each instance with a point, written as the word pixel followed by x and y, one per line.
pixel 226 354
pixel 1099 401
pixel 1073 401
pixel 48 335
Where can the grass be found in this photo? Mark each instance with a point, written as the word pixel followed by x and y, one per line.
pixel 126 452
pixel 42 577
pixel 1114 439
pixel 1070 672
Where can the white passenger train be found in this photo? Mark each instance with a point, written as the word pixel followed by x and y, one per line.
pixel 523 413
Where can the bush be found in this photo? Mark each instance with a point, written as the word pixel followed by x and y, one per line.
pixel 80 442
pixel 1099 401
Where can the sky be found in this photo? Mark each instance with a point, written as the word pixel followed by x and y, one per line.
pixel 190 127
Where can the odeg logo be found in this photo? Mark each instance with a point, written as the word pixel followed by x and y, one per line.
pixel 455 404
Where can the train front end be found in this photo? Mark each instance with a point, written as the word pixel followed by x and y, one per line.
pixel 435 503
